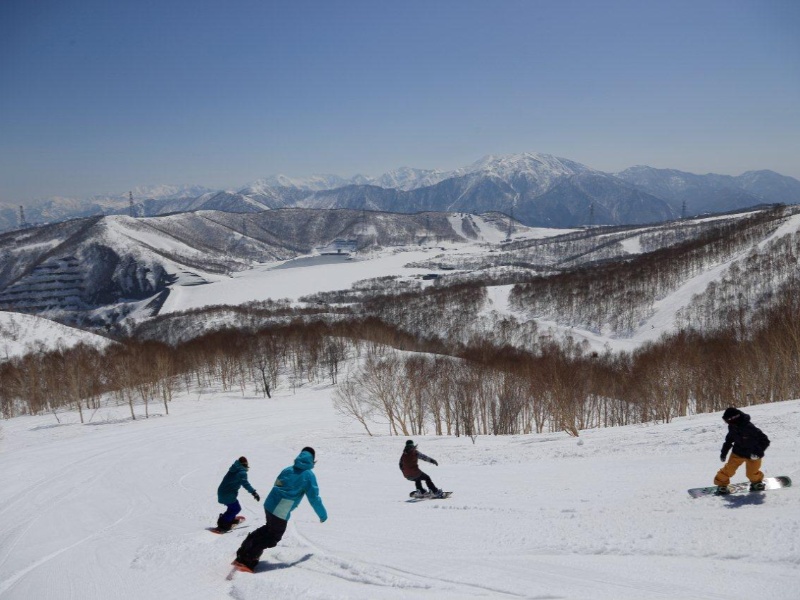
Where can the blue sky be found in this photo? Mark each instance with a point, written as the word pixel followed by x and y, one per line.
pixel 100 96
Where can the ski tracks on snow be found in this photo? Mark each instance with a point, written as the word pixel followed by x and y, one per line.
pixel 12 581
pixel 367 572
pixel 34 507
pixel 378 574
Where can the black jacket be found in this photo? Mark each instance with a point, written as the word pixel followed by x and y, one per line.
pixel 745 438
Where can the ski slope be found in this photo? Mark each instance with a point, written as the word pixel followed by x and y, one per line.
pixel 118 508
pixel 22 334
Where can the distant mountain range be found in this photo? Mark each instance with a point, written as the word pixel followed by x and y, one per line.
pixel 537 189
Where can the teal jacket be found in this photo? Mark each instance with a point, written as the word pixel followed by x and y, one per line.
pixel 235 478
pixel 291 485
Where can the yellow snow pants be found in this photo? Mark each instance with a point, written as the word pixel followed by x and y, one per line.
pixel 753 469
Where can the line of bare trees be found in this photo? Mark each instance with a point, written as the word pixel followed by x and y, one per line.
pixel 143 373
pixel 396 381
pixel 743 294
pixel 621 294
pixel 487 390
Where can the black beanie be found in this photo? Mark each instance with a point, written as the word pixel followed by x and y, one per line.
pixel 243 461
pixel 410 444
pixel 310 450
pixel 731 414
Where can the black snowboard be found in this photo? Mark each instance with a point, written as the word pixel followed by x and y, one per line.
pixel 428 496
pixel 771 483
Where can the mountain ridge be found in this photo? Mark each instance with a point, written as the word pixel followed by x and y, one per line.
pixel 539 189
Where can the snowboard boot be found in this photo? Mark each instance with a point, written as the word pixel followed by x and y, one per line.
pixel 248 553
pixel 722 490
pixel 759 486
pixel 222 526
pixel 245 565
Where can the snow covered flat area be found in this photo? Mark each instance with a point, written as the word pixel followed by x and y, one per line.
pixel 118 508
pixel 299 277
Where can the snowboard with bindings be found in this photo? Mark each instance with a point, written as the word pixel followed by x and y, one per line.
pixel 236 522
pixel 415 495
pixel 770 483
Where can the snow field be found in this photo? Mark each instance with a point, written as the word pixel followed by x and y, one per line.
pixel 21 334
pixel 118 508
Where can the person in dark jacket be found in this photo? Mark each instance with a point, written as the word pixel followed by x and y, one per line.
pixel 747 444
pixel 409 465
pixel 228 491
pixel 292 484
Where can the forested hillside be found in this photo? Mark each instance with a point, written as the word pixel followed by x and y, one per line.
pixel 497 341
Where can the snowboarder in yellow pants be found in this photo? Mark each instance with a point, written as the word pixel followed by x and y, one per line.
pixel 752 469
pixel 747 444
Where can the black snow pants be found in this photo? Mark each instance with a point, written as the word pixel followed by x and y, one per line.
pixel 266 536
pixel 426 478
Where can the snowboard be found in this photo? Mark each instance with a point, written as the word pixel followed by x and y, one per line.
pixel 771 483
pixel 237 566
pixel 236 522
pixel 428 496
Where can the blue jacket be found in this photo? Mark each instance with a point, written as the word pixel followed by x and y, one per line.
pixel 291 485
pixel 235 478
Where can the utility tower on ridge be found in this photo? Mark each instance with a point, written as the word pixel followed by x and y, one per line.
pixel 22 223
pixel 131 210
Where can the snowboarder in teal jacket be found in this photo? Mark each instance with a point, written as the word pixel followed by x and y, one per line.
pixel 228 491
pixel 291 485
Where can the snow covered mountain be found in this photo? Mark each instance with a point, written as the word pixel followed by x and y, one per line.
pixel 610 282
pixel 404 178
pixel 160 198
pixel 713 193
pixel 100 269
pixel 540 190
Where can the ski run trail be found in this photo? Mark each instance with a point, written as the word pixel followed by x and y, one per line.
pixel 118 509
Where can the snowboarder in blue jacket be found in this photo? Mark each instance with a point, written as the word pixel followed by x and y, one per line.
pixel 292 484
pixel 228 491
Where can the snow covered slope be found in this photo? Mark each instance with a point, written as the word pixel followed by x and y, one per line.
pixel 21 334
pixel 304 276
pixel 118 509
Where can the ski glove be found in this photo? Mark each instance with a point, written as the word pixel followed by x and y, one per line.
pixel 723 456
pixel 256 496
pixel 435 463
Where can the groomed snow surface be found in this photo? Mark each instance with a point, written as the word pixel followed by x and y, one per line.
pixel 118 508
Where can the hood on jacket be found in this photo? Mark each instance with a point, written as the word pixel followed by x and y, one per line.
pixel 237 467
pixel 304 461
pixel 735 417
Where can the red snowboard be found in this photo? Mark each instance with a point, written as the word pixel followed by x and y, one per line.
pixel 236 522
